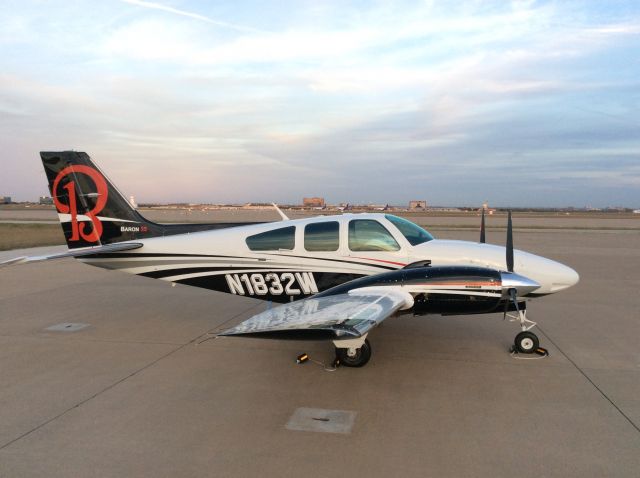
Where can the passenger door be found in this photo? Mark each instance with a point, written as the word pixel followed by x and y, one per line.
pixel 321 244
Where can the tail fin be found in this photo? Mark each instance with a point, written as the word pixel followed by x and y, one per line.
pixel 91 210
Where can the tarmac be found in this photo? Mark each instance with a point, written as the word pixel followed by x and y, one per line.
pixel 130 381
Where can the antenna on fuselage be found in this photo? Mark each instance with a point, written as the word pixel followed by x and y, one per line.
pixel 283 215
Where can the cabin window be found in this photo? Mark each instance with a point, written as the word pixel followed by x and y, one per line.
pixel 322 236
pixel 370 235
pixel 276 239
pixel 414 233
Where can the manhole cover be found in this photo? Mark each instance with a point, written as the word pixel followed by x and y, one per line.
pixel 67 327
pixel 321 420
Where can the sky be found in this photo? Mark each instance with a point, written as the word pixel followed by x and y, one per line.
pixel 522 103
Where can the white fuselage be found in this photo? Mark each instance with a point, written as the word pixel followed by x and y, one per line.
pixel 224 256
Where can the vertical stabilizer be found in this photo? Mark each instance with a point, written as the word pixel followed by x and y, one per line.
pixel 91 210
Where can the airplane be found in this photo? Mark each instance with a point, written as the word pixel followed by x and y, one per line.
pixel 336 277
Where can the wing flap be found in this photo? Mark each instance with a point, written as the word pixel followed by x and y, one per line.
pixel 121 246
pixel 349 315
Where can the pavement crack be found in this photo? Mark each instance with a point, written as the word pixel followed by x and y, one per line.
pixel 82 402
pixel 584 374
pixel 116 383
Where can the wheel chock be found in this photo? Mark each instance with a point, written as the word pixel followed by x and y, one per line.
pixel 542 352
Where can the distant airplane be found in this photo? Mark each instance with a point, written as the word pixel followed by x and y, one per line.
pixel 338 276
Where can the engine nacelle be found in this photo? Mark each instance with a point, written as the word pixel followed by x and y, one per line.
pixel 446 290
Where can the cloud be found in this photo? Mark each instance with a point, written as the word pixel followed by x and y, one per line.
pixel 413 99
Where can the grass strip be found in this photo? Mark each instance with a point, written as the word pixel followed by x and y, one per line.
pixel 20 236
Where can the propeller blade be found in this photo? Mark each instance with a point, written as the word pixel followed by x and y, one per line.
pixel 509 243
pixel 482 237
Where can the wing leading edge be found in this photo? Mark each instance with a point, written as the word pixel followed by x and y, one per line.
pixel 343 316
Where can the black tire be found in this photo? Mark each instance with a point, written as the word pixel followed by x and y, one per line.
pixel 526 342
pixel 361 357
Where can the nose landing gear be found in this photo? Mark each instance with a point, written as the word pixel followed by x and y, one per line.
pixel 526 342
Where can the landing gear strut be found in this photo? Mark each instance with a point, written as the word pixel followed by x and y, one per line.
pixel 355 354
pixel 526 342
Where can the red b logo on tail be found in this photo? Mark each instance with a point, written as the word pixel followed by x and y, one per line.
pixel 78 229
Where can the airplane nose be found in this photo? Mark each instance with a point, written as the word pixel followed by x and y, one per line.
pixel 563 277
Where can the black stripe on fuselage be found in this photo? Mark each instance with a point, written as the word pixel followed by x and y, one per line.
pixel 218 282
pixel 191 270
pixel 121 255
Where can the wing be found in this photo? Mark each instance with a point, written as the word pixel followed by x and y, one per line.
pixel 122 246
pixel 345 316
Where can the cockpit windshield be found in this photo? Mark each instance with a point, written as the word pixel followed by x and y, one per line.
pixel 414 233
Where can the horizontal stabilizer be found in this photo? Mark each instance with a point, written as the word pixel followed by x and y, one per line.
pixel 345 316
pixel 123 246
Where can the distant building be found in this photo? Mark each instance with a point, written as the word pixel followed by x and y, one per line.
pixel 417 205
pixel 45 200
pixel 132 201
pixel 5 199
pixel 313 202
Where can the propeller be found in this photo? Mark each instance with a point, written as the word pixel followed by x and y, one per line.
pixel 509 246
pixel 509 243
pixel 513 295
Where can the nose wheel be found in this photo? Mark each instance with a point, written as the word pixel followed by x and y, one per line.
pixel 526 342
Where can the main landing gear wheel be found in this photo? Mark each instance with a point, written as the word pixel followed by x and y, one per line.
pixel 354 357
pixel 527 342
